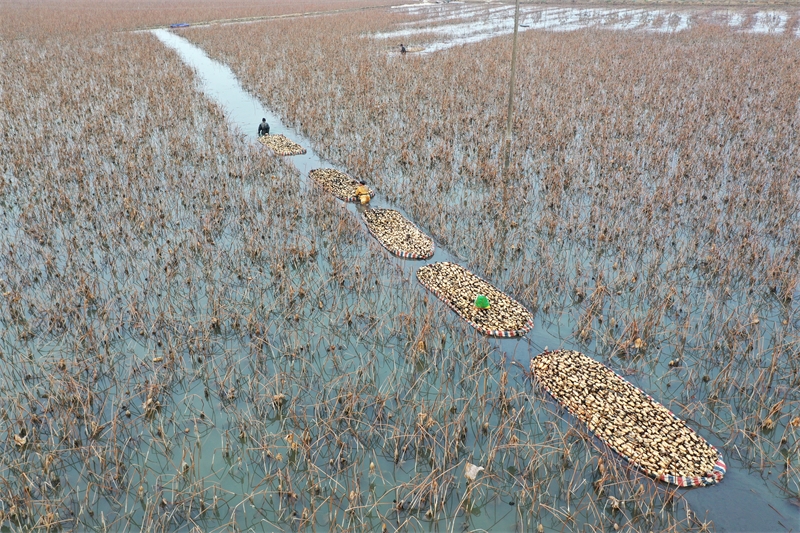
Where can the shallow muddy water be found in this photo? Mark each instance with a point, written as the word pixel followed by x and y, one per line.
pixel 742 502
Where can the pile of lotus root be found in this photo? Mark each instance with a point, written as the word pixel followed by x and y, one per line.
pixel 398 234
pixel 339 184
pixel 458 288
pixel 281 145
pixel 629 421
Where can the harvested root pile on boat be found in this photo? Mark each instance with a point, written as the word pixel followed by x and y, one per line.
pixel 629 421
pixel 459 288
pixel 339 184
pixel 281 145
pixel 398 234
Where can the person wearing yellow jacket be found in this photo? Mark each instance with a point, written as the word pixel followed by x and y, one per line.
pixel 362 192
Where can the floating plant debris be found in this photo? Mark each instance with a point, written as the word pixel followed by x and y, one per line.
pixel 281 145
pixel 458 287
pixel 644 432
pixel 341 185
pixel 398 234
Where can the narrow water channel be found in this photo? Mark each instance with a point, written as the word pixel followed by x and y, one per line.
pixel 244 112
pixel 742 502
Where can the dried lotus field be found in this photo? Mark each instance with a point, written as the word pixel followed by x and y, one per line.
pixel 651 219
pixel 186 347
pixel 20 19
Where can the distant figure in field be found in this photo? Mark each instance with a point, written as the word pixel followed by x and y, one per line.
pixel 402 48
pixel 263 128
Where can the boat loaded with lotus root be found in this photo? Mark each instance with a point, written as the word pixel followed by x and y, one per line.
pixel 630 422
pixel 341 185
pixel 281 145
pixel 398 234
pixel 496 314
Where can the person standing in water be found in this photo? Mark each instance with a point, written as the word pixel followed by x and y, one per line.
pixel 263 128
pixel 402 49
pixel 362 192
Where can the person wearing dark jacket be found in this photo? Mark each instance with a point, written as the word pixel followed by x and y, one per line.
pixel 263 128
